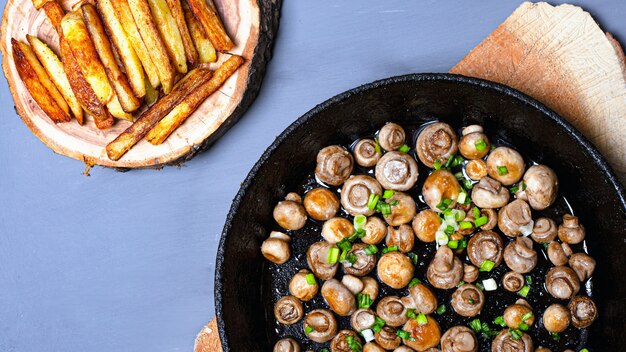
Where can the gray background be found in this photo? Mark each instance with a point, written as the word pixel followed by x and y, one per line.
pixel 125 261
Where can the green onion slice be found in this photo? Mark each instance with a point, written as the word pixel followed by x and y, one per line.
pixel 388 193
pixel 414 258
pixel 414 282
pixel 333 255
pixel 481 221
pixel 487 265
pixel 453 244
pixel 465 225
pixel 390 249
pixel 404 148
pixel 403 334
pixel 345 245
pixel 373 200
pixel 476 212
pixel 411 313
pixel 527 316
pixel 379 151
pixel 441 309
pixel 365 301
pixel 480 145
pixel 422 319
pixel 475 325
pixel 308 329
pixel 437 165
pixel 359 222
pixel 310 279
pixel 516 334
pixel 371 249
pixel 502 170
pixel 500 321
pixel 524 291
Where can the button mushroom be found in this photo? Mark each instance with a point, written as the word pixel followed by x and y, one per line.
pixel 287 345
pixel 323 325
pixel 391 136
pixel 356 192
pixel 459 339
pixel 505 165
pixel 321 204
pixel 423 336
pixel 363 319
pixel 541 186
pixel 556 253
pixel 492 219
pixel 439 185
pixel 408 349
pixel 317 258
pixel 506 342
pixel 436 142
pixel 425 225
pixel 395 269
pixel 562 282
pixel 543 349
pixel 338 297
pixel 392 311
pixel 583 265
pixel 397 171
pixel 365 153
pixel 513 281
pixel 467 300
pixel 334 165
pixel 474 143
pixel 445 270
pixel 485 245
pixel 300 287
pixel 288 310
pixel 364 263
pixel 476 169
pixel 402 237
pixel 352 283
pixel 276 248
pixel 387 338
pixel 403 211
pixel 372 347
pixel 370 287
pixel 290 214
pixel 340 341
pixel 570 231
pixel 544 230
pixel 520 256
pixel 489 193
pixel 556 318
pixel 470 273
pixel 375 230
pixel 515 219
pixel 583 311
pixel 421 298
pixel 336 229
pixel 518 313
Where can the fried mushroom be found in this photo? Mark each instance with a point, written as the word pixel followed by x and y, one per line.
pixel 505 165
pixel 467 300
pixel 470 273
pixel 425 225
pixel 323 323
pixel 436 142
pixel 542 186
pixel 387 338
pixel 562 282
pixel 300 287
pixel 340 341
pixel 420 298
pixel 391 136
pixel 364 263
pixel 489 194
pixel 290 214
pixel 439 185
pixel 370 287
pixel 334 165
pixel 317 257
pixel 395 269
pixel 583 310
pixel 556 253
pixel 506 342
pixel 373 347
pixel 356 192
pixel 556 318
pixel 276 248
pixel 474 143
pixel 492 219
pixel 403 211
pixel 485 245
pixel 520 256
pixel 583 265
pixel 363 319
pixel 392 311
pixel 424 336
pixel 476 169
pixel 402 237
pixel 513 281
pixel 336 229
pixel 445 271
pixel 288 310
pixel 365 153
pixel 459 339
pixel 287 345
pixel 338 297
pixel 515 313
pixel 397 171
pixel 570 231
pixel 515 219
pixel 353 283
pixel 321 204
pixel 544 230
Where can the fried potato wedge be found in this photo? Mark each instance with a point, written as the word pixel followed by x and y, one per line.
pixel 121 42
pixel 40 3
pixel 116 109
pixel 168 28
pixel 125 16
pixel 133 134
pixel 190 49
pixel 55 14
pixel 76 34
pixel 34 84
pixel 125 94
pixel 106 123
pixel 53 66
pixel 150 35
pixel 159 133
pixel 206 51
pixel 152 95
pixel 212 25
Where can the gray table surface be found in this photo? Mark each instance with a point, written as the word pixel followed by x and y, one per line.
pixel 125 261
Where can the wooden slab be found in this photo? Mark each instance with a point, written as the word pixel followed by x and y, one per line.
pixel 561 57
pixel 208 339
pixel 251 23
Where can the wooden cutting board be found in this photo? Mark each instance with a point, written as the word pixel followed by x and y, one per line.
pixel 561 57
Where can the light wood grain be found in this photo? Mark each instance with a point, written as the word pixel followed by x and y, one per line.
pixel 561 57
pixel 208 339
pixel 86 143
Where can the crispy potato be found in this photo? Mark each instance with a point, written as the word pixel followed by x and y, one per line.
pixel 190 50
pixel 212 24
pixel 55 13
pixel 150 35
pixel 116 109
pixel 76 34
pixel 152 95
pixel 206 51
pixel 167 26
pixel 40 3
pixel 34 84
pixel 127 139
pixel 124 48
pixel 125 16
pixel 159 133
pixel 125 94
pixel 106 123
pixel 53 66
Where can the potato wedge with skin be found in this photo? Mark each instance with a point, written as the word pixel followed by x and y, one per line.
pixel 125 94
pixel 150 35
pixel 125 16
pixel 206 51
pixel 121 42
pixel 76 34
pixel 212 24
pixel 133 134
pixel 116 109
pixel 40 3
pixel 55 14
pixel 34 85
pixel 190 49
pixel 159 133
pixel 168 28
pixel 53 66
pixel 152 95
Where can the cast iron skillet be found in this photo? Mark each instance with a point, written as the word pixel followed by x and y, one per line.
pixel 246 286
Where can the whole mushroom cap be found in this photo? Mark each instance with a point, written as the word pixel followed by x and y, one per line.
pixel 287 345
pixel 556 253
pixel 425 225
pixel 323 323
pixel 336 229
pixel 467 300
pixel 513 281
pixel 372 347
pixel 505 342
pixel 492 219
pixel 542 186
pixel 562 282
pixel 397 171
pixel 395 269
pixel 321 204
pixel 387 338
pixel 375 230
pixel 520 256
pixel 474 144
pixel 317 257
pixel 485 245
pixel 423 336
pixel 365 153
pixel 300 288
pixel 290 215
pixel 583 265
pixel 544 230
pixel 356 192
pixel 490 194
pixel 570 231
pixel 408 349
pixel 556 318
pixel 352 283
pixel 334 165
pixel 470 273
pixel 420 298
pixel 436 142
pixel 363 319
pixel 391 136
pixel 445 271
pixel 339 298
pixel 439 185
pixel 459 339
pixel 288 310
pixel 404 210
pixel 476 169
pixel 583 310
pixel 515 219
pixel 505 165
pixel 370 287
pixel 514 313
pixel 364 263
pixel 340 343
pixel 402 237
pixel 392 311
pixel 276 250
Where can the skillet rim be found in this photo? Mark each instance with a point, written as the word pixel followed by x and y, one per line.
pixel 599 160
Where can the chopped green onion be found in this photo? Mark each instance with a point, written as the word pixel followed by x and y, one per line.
pixel 584 350
pixel 460 283
pixel 411 313
pixel 344 245
pixel 414 282
pixel 487 265
pixel 450 160
pixel 476 212
pixel 437 165
pixel 379 151
pixel 359 222
pixel 471 301
pixel 524 291
pixel 403 334
pixel 373 200
pixel 343 255
pixel 444 204
pixel 463 243
pixel 480 286
pixel 394 202
pixel 459 175
pixel 555 336
pixel 384 208
pixel 527 316
pixel 388 193
pixel 354 343
pixel 421 319
pixel 404 148
pixel 529 279
pixel 546 245
pixel 454 244
pixel 523 185
pixel 323 350
pixel 364 299
pixel 371 249
pixel 333 255
pixel 523 326
pixel 502 170
pixel 465 225
pixel 467 184
pixel 514 189
pixel 461 198
pixel 377 328
pixel 414 258
pixel 459 214
pixel 441 309
pixel 310 279
pixel 480 145
pixel 390 249
pixel 458 160
pixel 475 325
pixel 352 258
pixel 358 234
pixel 308 329
pixel 449 230
pixel 516 334
pixel 481 221
pixel 500 321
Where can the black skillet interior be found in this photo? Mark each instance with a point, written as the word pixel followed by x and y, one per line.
pixel 246 285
